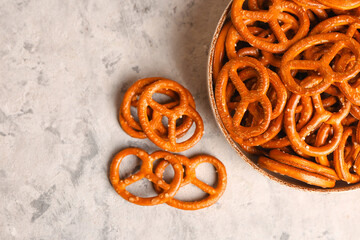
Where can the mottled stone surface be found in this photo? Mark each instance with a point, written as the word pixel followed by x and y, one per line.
pixel 64 66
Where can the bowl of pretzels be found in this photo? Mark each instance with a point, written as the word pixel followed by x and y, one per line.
pixel 284 86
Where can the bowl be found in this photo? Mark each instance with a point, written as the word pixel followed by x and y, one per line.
pixel 251 159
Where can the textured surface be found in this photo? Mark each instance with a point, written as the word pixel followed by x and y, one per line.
pixel 64 66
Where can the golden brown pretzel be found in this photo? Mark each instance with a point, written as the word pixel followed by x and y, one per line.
pixel 239 16
pixel 229 72
pixel 146 171
pixel 318 83
pixel 130 99
pixel 190 166
pixel 183 109
pixel 321 116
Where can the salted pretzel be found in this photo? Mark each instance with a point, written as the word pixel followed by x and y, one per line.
pixel 146 171
pixel 327 75
pixel 190 165
pixel 169 143
pixel 296 173
pixel 343 165
pixel 132 127
pixel 277 12
pixel 320 116
pixel 229 73
pixel 278 97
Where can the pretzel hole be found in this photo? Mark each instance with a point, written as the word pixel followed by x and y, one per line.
pixel 355 82
pixel 163 98
pixel 330 103
pixel 165 121
pixel 133 111
pixel 168 174
pixel 260 24
pixel 190 193
pixel 142 188
pixel 207 173
pixel 241 44
pixel 188 134
pixel 130 165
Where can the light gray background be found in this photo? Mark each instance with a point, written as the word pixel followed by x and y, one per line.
pixel 64 66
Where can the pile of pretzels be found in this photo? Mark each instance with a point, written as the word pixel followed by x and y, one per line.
pixel 147 121
pixel 287 86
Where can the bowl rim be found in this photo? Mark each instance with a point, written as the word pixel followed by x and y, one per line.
pixel 234 145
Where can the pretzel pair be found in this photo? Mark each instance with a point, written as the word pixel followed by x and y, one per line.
pixel 184 174
pixel 151 114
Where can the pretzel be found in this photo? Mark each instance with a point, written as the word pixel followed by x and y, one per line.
pixel 229 71
pixel 327 76
pixel 146 171
pixel 183 109
pixel 341 4
pixel 320 116
pixel 296 173
pixel 132 127
pixel 276 11
pixel 342 167
pixel 219 52
pixel 190 166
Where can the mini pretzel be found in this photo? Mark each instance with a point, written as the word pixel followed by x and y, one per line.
pixel 327 75
pixel 190 166
pixel 183 109
pixel 275 13
pixel 146 171
pixel 342 166
pixel 132 127
pixel 320 116
pixel 229 72
pixel 296 173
